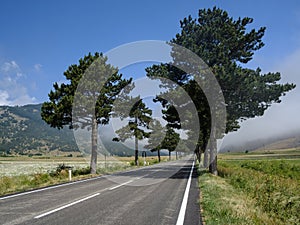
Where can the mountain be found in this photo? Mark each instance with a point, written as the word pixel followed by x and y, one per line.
pixel 287 143
pixel 23 131
pixel 288 140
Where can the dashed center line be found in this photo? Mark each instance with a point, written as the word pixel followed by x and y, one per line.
pixel 120 185
pixel 84 199
pixel 66 206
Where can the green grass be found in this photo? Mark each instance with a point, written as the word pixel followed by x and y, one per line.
pixel 281 168
pixel 252 192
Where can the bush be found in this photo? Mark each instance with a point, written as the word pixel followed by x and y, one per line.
pixel 61 171
pixel 81 171
pixel 40 178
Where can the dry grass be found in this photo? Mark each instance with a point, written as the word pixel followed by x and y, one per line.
pixel 222 204
pixel 254 188
pixel 25 173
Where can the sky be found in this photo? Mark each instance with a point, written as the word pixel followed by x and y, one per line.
pixel 40 39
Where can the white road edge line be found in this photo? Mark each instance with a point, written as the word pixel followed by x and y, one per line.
pixel 66 206
pixel 115 187
pixel 180 219
pixel 66 184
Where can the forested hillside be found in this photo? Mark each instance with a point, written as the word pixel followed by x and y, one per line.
pixel 22 130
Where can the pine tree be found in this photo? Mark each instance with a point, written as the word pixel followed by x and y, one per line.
pixel 224 44
pixel 93 106
pixel 139 119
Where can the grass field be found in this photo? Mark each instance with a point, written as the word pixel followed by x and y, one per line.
pixel 23 165
pixel 25 173
pixel 256 188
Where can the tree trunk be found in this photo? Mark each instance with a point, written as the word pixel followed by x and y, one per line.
pixel 136 141
pixel 176 155
pixel 169 155
pixel 94 146
pixel 206 158
pixel 213 156
pixel 158 154
pixel 136 159
pixel 198 153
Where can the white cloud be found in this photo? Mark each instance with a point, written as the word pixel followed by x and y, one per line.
pixel 37 67
pixel 10 66
pixel 4 98
pixel 13 89
pixel 11 69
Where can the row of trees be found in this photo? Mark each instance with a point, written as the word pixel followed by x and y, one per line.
pixel 223 43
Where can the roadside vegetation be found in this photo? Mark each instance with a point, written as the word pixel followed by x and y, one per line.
pixel 24 182
pixel 252 191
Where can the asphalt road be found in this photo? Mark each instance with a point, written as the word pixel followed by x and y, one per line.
pixel 166 193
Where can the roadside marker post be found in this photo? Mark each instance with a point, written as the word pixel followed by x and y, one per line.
pixel 70 172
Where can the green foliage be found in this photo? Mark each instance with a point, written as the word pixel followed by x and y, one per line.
pixel 156 137
pixel 139 119
pixel 218 38
pixel 171 140
pixel 61 171
pixel 149 161
pixel 58 111
pixel 92 105
pixel 281 168
pixel 81 171
pixel 224 44
pixel 132 163
pixel 40 179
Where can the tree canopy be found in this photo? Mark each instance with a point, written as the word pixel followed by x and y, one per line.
pixel 225 45
pixel 138 122
pixel 162 138
pixel 93 105
pixel 156 137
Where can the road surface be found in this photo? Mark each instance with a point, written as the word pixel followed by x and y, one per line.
pixel 165 193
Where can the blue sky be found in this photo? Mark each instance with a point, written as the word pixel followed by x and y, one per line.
pixel 40 39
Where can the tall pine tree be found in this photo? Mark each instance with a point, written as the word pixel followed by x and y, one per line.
pixel 138 123
pixel 93 106
pixel 224 44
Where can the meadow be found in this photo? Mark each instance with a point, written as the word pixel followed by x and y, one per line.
pixel 256 188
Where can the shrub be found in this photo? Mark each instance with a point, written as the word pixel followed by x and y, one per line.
pixel 81 171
